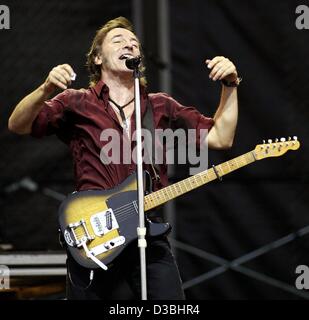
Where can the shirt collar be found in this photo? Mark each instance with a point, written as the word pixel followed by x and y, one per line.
pixel 102 90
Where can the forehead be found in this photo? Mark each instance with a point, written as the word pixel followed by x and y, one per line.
pixel 120 32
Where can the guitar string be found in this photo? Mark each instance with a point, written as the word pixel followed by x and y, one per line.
pixel 162 191
pixel 122 212
pixel 126 215
pixel 119 214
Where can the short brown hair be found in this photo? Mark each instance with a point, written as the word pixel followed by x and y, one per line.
pixel 95 70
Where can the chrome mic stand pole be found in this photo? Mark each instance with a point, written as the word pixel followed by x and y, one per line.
pixel 141 230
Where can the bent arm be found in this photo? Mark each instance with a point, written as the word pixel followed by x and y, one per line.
pixel 26 111
pixel 29 107
pixel 221 135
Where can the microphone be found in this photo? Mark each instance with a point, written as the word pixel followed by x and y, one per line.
pixel 133 63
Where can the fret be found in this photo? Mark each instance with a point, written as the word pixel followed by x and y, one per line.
pixel 177 188
pixel 184 184
pixel 161 196
pixel 210 175
pixel 167 193
pixel 189 182
pixel 197 184
pixel 228 163
pixel 200 182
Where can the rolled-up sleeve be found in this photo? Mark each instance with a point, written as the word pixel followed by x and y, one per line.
pixel 48 120
pixel 189 118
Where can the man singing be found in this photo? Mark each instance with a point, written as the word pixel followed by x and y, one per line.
pixel 78 117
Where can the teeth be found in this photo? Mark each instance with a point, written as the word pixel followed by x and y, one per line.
pixel 126 56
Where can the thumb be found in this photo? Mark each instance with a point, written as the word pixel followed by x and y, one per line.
pixel 207 61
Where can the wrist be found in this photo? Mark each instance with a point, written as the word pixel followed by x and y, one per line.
pixel 46 90
pixel 234 83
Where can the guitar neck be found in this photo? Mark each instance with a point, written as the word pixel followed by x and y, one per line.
pixel 162 196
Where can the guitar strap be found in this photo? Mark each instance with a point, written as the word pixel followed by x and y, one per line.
pixel 148 123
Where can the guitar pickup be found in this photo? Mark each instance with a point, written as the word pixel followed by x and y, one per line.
pixel 108 245
pixel 103 222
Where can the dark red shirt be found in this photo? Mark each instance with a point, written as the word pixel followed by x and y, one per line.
pixel 78 117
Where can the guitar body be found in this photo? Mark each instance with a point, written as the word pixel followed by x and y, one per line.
pixel 106 220
pixel 98 225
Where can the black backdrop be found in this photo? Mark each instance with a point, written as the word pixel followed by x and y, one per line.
pixel 269 199
pixel 251 207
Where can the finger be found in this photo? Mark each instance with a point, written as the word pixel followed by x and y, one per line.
pixel 64 73
pixel 207 61
pixel 219 66
pixel 222 70
pixel 62 76
pixel 58 83
pixel 214 61
pixel 68 69
pixel 229 71
pixel 58 80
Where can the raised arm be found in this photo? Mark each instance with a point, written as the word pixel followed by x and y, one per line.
pixel 28 108
pixel 221 135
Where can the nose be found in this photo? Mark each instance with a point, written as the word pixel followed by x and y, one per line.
pixel 128 45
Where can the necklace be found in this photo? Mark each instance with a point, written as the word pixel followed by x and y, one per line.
pixel 120 108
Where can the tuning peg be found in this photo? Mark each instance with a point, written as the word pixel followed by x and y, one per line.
pixel 264 141
pixel 276 140
pixel 289 139
pixel 295 138
pixel 282 139
pixel 270 141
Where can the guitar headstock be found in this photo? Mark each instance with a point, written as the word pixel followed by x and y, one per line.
pixel 276 148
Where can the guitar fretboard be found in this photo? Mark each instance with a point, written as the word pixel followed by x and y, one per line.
pixel 168 193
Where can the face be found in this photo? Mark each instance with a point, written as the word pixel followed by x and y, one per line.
pixel 118 45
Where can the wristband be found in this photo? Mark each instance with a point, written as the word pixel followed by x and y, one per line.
pixel 234 83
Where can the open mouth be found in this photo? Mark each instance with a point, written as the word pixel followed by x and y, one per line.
pixel 126 56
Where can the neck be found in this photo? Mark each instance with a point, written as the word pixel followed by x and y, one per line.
pixel 121 87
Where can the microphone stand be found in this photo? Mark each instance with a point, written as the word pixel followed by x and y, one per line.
pixel 141 230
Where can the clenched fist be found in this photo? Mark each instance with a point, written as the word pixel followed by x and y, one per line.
pixel 221 68
pixel 59 77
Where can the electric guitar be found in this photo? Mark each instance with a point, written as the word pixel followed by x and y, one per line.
pixel 98 225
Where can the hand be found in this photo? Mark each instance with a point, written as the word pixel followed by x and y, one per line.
pixel 59 77
pixel 221 68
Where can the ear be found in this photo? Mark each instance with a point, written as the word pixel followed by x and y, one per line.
pixel 98 60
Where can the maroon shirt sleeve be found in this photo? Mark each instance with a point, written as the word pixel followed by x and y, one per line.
pixel 48 120
pixel 188 118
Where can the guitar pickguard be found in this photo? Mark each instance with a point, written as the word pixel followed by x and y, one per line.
pixel 103 222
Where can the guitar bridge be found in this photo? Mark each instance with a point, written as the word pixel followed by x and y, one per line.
pixel 74 238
